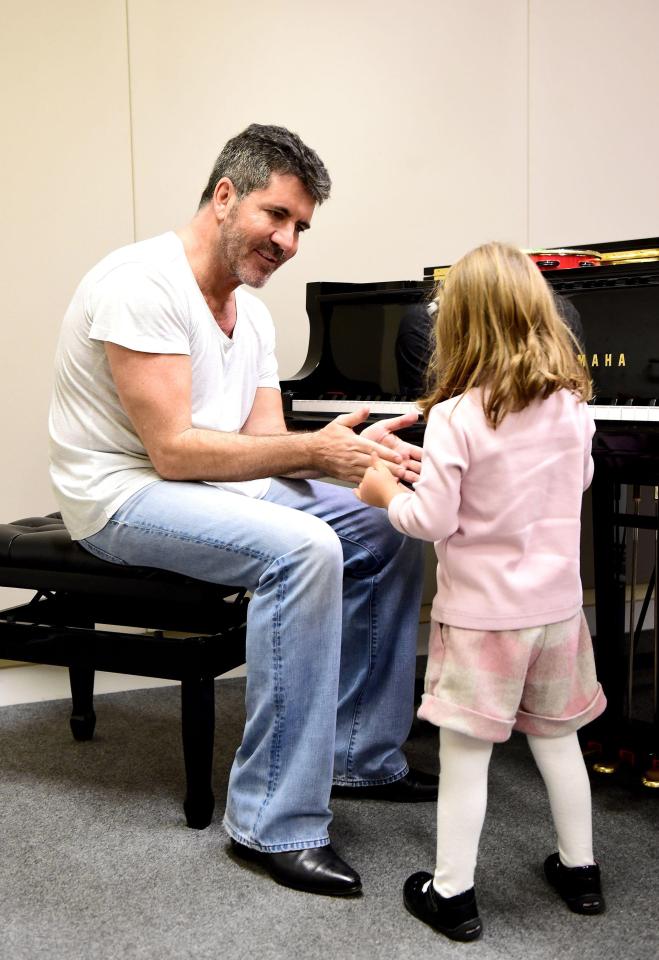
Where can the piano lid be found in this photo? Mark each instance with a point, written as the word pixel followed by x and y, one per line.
pixel 616 252
pixel 354 338
pixel 358 331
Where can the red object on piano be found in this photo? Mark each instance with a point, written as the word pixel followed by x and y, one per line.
pixel 564 259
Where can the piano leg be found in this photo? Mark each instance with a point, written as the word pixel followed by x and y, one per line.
pixel 650 778
pixel 609 641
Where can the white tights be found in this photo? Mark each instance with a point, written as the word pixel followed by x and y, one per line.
pixel 462 803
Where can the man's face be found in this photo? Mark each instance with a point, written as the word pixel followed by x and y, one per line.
pixel 262 231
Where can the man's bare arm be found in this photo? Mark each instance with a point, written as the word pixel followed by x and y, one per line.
pixel 267 418
pixel 155 390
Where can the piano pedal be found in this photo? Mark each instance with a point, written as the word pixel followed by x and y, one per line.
pixel 606 768
pixel 606 764
pixel 650 780
pixel 597 760
pixel 650 777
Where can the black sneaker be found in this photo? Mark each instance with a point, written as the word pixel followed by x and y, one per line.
pixel 455 917
pixel 578 886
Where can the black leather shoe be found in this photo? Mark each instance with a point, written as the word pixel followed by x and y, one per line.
pixel 414 787
pixel 455 917
pixel 314 870
pixel 578 886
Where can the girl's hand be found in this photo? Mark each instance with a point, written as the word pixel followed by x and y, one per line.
pixel 383 431
pixel 378 487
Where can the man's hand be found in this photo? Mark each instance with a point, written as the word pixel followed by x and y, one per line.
pixel 383 432
pixel 378 487
pixel 339 452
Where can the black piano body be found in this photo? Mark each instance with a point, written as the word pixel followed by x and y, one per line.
pixel 351 361
pixel 354 330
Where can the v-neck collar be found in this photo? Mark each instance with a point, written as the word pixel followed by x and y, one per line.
pixel 226 341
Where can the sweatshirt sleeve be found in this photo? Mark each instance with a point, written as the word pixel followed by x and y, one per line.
pixel 431 511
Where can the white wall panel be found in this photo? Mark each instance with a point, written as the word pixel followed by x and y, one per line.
pixel 66 200
pixel 418 110
pixel 594 120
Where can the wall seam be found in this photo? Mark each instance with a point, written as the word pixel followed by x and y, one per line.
pixel 528 123
pixel 131 144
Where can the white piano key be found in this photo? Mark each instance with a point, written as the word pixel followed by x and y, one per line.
pixel 393 408
pixel 636 413
pixel 607 413
pixel 390 407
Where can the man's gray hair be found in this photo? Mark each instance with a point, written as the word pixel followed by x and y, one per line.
pixel 251 157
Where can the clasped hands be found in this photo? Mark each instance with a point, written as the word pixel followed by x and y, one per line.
pixel 378 487
pixel 386 459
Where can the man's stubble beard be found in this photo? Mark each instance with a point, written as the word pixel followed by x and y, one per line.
pixel 234 250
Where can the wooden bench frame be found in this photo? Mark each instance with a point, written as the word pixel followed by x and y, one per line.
pixel 75 593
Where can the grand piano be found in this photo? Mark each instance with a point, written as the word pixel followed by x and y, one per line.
pixel 353 360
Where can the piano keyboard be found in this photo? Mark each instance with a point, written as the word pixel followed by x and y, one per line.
pixel 393 408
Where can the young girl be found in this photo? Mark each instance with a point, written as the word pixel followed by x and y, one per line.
pixel 506 458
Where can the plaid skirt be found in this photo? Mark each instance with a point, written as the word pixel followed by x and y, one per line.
pixel 487 683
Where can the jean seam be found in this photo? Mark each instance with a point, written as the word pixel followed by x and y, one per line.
pixel 274 768
pixel 273 847
pixel 372 648
pixel 377 558
pixel 393 778
pixel 101 553
pixel 174 535
pixel 356 716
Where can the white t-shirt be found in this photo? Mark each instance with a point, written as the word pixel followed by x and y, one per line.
pixel 145 297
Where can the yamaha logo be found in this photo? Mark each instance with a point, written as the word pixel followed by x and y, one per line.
pixel 603 360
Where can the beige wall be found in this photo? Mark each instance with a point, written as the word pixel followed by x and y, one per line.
pixel 66 199
pixel 593 120
pixel 397 99
pixel 443 124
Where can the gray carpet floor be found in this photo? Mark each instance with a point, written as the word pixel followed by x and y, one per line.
pixel 97 862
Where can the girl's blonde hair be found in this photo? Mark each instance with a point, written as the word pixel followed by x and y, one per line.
pixel 497 327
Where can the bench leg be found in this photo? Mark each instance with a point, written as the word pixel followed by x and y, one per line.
pixel 83 718
pixel 198 723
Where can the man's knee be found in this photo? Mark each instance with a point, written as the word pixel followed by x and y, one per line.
pixel 311 541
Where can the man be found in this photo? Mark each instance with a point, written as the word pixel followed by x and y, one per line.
pixel 414 342
pixel 166 427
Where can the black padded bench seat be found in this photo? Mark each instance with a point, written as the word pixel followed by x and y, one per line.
pixel 75 592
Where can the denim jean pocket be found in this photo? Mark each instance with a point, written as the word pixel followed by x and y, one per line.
pixel 100 553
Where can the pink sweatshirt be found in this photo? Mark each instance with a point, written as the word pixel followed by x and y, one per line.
pixel 503 507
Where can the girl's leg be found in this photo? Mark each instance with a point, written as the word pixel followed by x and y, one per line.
pixel 561 764
pixel 461 807
pixel 447 902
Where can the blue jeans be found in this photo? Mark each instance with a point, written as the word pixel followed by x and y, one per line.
pixel 331 637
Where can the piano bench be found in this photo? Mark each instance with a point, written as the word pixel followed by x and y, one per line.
pixel 76 592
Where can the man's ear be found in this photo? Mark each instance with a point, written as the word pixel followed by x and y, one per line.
pixel 222 196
